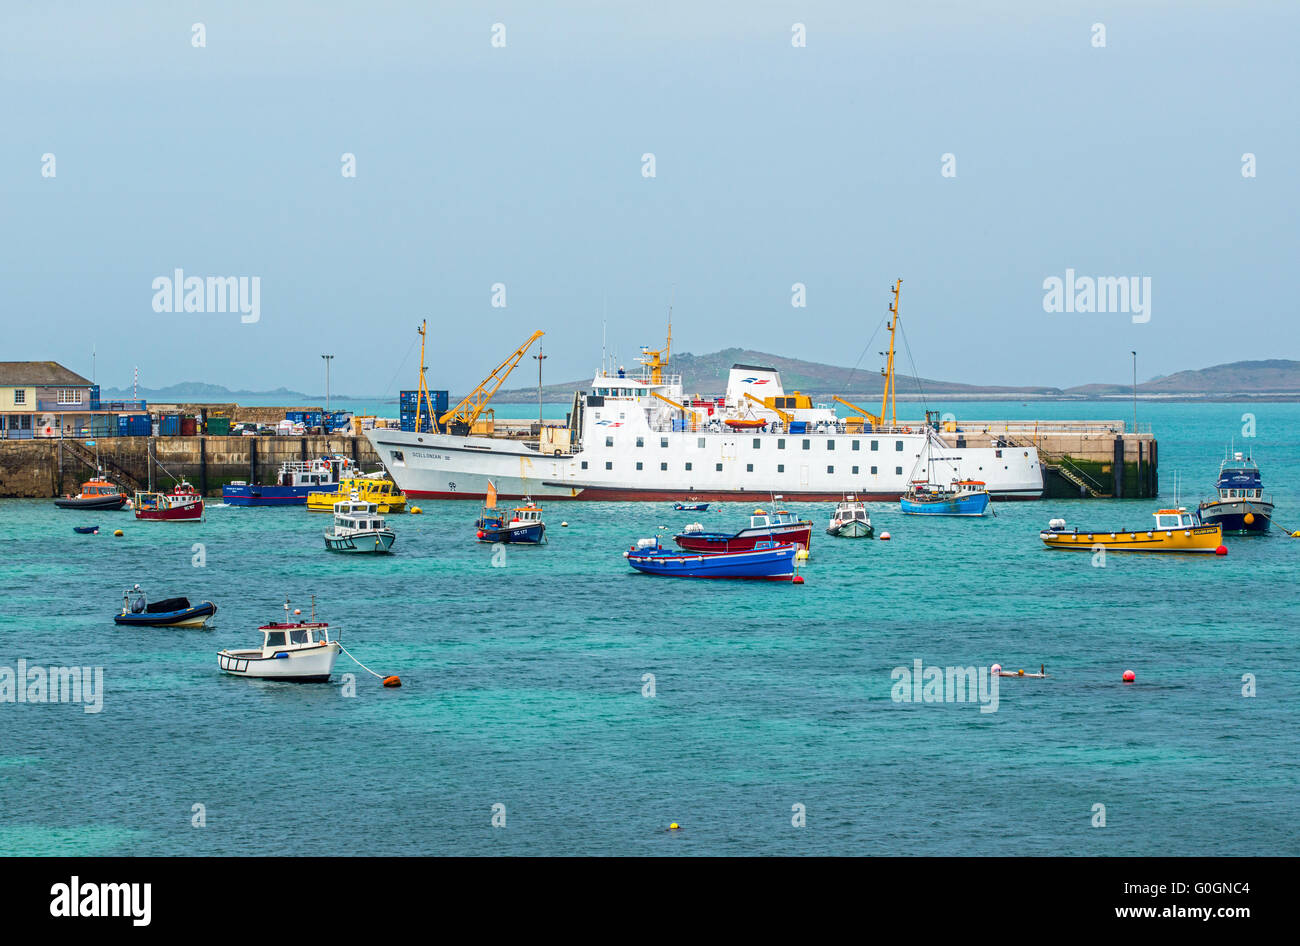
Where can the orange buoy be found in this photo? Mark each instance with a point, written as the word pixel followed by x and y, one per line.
pixel 479 534
pixel 1248 518
pixel 1129 676
pixel 1221 550
pixel 392 681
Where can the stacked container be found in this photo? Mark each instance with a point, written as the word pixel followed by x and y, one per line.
pixel 408 403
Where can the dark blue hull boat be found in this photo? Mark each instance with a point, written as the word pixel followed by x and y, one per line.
pixel 172 612
pixel 86 530
pixel 767 561
pixel 691 507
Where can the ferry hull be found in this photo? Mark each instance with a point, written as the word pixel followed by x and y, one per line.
pixel 445 467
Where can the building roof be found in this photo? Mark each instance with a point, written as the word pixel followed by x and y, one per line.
pixel 38 373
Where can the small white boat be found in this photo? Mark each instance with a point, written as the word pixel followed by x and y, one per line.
pixel 297 651
pixel 850 520
pixel 358 527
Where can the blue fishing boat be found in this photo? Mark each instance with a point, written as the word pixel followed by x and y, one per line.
pixel 691 507
pixel 292 484
pixel 961 498
pixel 522 525
pixel 1241 505
pixel 137 611
pixel 766 560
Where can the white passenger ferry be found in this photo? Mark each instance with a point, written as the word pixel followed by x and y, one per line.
pixel 642 438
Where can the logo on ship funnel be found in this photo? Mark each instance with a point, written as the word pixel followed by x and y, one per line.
pixel 755 380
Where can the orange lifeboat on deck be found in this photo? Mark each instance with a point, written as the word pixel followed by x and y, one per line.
pixel 740 423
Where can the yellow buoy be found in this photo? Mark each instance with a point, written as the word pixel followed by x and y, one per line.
pixel 416 510
pixel 674 826
pixel 1248 518
pixel 117 532
pixel 801 555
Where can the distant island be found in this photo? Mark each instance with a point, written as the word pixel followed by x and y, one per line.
pixel 1277 379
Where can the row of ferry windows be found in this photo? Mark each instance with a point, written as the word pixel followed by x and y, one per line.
pixel 749 468
pixel 758 443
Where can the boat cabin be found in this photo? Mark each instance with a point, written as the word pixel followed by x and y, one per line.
pixel 526 514
pixel 848 511
pixel 762 520
pixel 1239 479
pixel 324 471
pixel 99 488
pixel 1174 519
pixel 353 514
pixel 280 637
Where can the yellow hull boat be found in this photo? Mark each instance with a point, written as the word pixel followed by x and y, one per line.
pixel 1174 531
pixel 367 489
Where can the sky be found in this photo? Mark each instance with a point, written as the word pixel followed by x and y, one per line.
pixel 521 165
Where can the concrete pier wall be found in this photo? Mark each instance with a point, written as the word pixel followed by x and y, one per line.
pixel 42 468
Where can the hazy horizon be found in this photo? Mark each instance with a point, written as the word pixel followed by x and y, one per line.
pixel 522 165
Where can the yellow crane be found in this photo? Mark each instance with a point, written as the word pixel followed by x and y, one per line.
pixel 861 410
pixel 472 405
pixel 785 416
pixel 681 407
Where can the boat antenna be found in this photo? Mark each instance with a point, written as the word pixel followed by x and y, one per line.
pixel 313 609
pixel 286 609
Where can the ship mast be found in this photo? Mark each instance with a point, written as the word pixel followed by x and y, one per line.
pixel 887 400
pixel 423 398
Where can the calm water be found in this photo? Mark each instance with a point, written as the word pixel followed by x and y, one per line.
pixel 523 685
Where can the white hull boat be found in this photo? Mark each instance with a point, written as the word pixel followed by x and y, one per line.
pixel 296 651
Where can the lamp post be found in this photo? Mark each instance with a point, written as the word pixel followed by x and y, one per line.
pixel 1135 392
pixel 328 359
pixel 540 358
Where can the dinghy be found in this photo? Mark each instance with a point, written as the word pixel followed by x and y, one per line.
pixel 137 611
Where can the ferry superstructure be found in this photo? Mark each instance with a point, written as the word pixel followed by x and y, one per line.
pixel 639 438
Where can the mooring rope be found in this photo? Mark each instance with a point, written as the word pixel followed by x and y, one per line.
pixel 359 663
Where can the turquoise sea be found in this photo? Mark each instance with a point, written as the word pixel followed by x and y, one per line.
pixel 523 684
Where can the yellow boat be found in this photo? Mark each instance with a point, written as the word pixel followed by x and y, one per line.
pixel 367 489
pixel 1175 531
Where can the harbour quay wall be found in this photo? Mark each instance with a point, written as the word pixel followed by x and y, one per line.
pixel 1081 459
pixel 48 467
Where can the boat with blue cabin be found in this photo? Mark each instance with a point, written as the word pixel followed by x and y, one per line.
pixel 772 561
pixel 690 507
pixel 294 481
pixel 1240 505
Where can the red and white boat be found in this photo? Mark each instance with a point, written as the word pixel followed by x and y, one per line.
pixel 781 527
pixel 183 504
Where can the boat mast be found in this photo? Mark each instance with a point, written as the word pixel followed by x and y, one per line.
pixel 887 399
pixel 656 361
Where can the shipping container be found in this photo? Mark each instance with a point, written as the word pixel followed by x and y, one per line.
pixel 170 425
pixel 219 425
pixel 189 426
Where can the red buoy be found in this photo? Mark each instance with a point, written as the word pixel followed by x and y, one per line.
pixel 392 681
pixel 1221 550
pixel 797 580
pixel 1129 676
pixel 479 534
